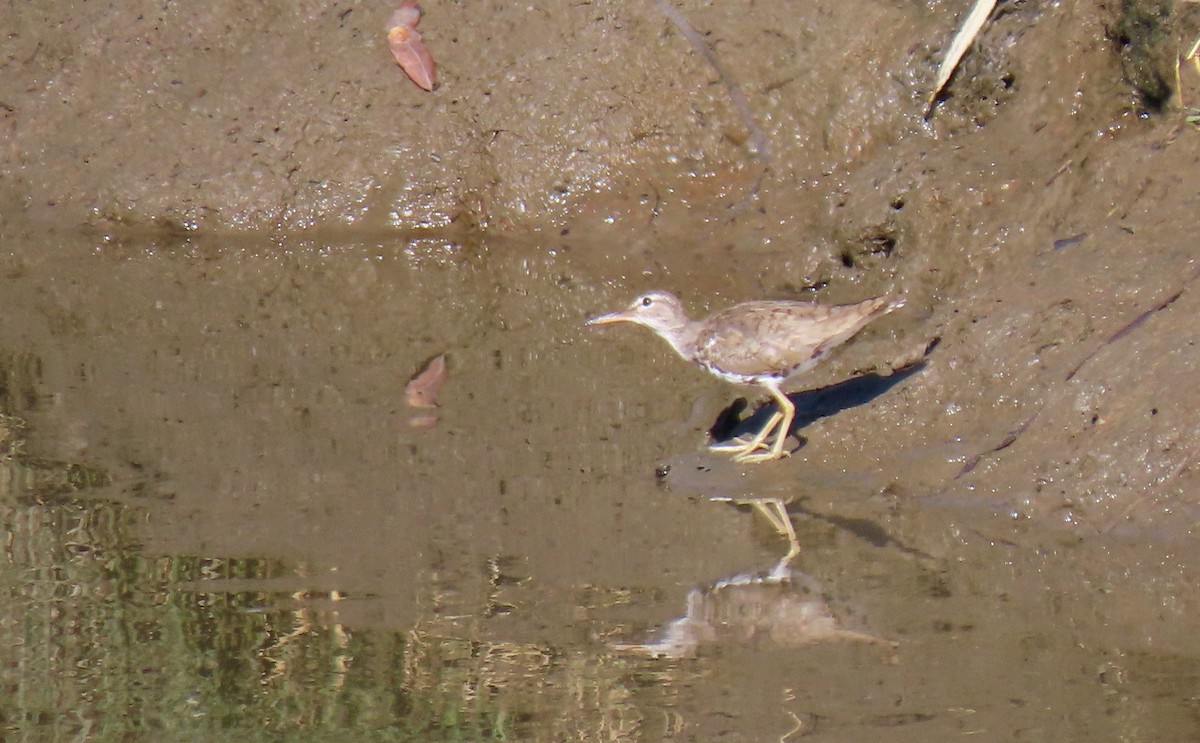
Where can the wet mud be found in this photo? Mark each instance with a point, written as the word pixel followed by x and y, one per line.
pixel 231 238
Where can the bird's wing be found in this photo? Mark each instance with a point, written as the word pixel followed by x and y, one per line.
pixel 781 337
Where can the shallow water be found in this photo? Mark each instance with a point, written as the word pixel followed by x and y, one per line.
pixel 253 542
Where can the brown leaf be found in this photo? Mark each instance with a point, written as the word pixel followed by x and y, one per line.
pixel 423 390
pixel 407 47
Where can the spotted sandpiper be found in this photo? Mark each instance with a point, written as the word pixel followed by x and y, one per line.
pixel 766 343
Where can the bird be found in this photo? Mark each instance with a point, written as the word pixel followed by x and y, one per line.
pixel 766 343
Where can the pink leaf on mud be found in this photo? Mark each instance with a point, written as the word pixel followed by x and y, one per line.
pixel 423 390
pixel 407 47
pixel 407 13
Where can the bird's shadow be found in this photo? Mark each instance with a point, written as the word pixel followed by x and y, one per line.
pixel 811 405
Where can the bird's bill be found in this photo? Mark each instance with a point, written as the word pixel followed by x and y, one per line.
pixel 612 317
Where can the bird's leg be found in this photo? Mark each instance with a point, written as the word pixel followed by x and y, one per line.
pixel 787 412
pixel 773 510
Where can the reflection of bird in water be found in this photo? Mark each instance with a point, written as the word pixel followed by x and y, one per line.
pixel 747 609
pixel 774 511
pixel 766 343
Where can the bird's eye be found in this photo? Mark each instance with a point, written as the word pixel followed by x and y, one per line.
pixel 647 301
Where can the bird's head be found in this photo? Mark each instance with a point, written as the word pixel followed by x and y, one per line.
pixel 660 311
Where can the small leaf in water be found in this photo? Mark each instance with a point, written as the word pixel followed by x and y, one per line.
pixel 423 390
pixel 407 47
pixel 423 420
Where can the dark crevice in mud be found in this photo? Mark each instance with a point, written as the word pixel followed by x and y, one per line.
pixel 1147 48
pixel 875 241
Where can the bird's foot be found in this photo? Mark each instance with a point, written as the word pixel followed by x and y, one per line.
pixel 753 457
pixel 738 445
pixel 742 446
pixel 751 454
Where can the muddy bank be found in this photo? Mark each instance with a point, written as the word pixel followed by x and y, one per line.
pixel 239 118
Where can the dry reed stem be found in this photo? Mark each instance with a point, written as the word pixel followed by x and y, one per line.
pixel 979 14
